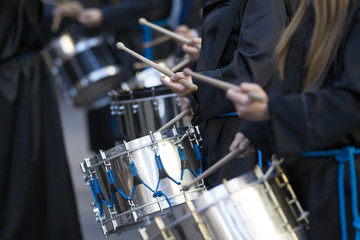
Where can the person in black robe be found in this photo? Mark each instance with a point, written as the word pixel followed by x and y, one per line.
pixel 36 193
pixel 316 127
pixel 238 39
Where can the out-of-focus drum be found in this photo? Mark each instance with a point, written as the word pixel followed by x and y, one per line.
pixel 138 112
pixel 147 78
pixel 83 68
pixel 252 206
pixel 139 179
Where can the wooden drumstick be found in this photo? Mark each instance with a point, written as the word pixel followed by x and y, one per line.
pixel 213 168
pixel 175 119
pixel 161 69
pixel 176 36
pixel 156 41
pixel 223 85
pixel 56 23
pixel 181 65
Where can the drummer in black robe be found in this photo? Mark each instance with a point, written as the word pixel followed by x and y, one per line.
pixel 36 193
pixel 314 122
pixel 238 40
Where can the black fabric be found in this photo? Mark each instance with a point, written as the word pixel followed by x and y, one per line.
pixel 324 118
pixel 36 194
pixel 246 55
pixel 122 19
pixel 217 136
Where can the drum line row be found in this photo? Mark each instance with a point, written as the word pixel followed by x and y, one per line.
pixel 139 181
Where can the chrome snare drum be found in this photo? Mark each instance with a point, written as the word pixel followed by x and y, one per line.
pixel 139 179
pixel 83 67
pixel 138 112
pixel 252 206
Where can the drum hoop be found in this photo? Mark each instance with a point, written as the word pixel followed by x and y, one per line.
pixel 79 47
pixel 144 99
pixel 149 204
pixel 96 75
pixel 130 151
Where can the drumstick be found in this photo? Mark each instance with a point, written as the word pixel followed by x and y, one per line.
pixel 176 36
pixel 213 168
pixel 56 23
pixel 156 41
pixel 181 65
pixel 175 119
pixel 161 69
pixel 223 85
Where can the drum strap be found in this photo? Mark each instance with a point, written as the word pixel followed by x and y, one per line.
pixel 343 156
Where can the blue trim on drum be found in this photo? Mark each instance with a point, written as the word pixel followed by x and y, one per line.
pixel 112 180
pixel 198 156
pixel 183 159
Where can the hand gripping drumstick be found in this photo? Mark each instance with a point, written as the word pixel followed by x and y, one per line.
pixel 223 85
pixel 175 119
pixel 213 168
pixel 161 69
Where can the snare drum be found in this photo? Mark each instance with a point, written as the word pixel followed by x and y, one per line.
pixel 252 206
pixel 83 67
pixel 138 112
pixel 139 179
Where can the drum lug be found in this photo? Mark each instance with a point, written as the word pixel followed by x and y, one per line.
pixel 99 218
pixel 112 214
pixel 143 233
pixel 160 224
pixel 132 206
pixel 199 221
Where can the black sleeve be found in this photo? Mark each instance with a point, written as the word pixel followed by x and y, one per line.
pixel 261 26
pixel 124 14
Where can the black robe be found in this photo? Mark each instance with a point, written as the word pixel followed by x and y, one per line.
pixel 321 119
pixel 238 40
pixel 36 194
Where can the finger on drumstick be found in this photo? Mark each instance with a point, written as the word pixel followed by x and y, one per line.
pixel 173 84
pixel 158 67
pixel 254 96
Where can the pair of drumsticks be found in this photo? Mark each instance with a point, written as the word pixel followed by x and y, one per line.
pixel 212 81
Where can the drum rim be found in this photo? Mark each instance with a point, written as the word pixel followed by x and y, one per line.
pixel 158 138
pixel 124 96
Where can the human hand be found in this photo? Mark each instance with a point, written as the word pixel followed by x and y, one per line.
pixel 245 106
pixel 176 87
pixel 242 143
pixel 192 49
pixel 184 31
pixel 91 17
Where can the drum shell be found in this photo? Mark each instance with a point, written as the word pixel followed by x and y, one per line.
pixel 84 69
pixel 141 153
pixel 141 111
pixel 238 209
